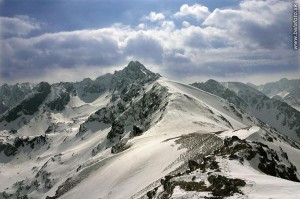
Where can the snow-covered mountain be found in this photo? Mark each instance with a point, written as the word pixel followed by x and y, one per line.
pixel 135 134
pixel 274 112
pixel 284 90
pixel 10 95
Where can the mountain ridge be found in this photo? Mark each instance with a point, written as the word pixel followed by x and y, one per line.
pixel 135 134
pixel 271 111
pixel 284 90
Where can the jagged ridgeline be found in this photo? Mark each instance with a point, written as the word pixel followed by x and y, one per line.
pixel 12 94
pixel 284 90
pixel 276 113
pixel 25 99
pixel 134 134
pixel 30 104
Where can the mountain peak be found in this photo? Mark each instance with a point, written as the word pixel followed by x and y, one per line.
pixel 214 82
pixel 135 65
pixel 283 79
pixel 136 70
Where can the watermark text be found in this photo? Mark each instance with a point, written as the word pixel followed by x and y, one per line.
pixel 295 26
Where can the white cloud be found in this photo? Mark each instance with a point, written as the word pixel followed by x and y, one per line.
pixel 197 11
pixel 256 24
pixel 141 26
pixel 186 24
pixel 17 26
pixel 154 17
pixel 168 25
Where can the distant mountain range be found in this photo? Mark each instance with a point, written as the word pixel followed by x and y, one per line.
pixel 284 90
pixel 270 110
pixel 135 134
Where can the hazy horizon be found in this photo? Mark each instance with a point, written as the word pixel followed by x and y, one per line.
pixel 152 71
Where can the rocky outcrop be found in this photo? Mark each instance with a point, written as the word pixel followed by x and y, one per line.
pixel 122 145
pixel 267 160
pixel 117 129
pixel 30 104
pixel 8 149
pixel 136 131
pixel 10 95
pixel 11 149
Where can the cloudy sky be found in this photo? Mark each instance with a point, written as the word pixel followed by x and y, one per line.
pixel 68 40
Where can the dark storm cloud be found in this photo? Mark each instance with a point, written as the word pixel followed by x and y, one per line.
pixel 63 50
pixel 275 35
pixel 183 40
pixel 145 48
pixel 230 69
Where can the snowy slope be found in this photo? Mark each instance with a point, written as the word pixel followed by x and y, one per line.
pixel 119 140
pixel 237 169
pixel 269 110
pixel 10 95
pixel 284 90
pixel 291 97
pixel 189 110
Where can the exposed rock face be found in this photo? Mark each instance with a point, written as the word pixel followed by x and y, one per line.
pixel 3 107
pixel 30 104
pixel 218 89
pixel 105 115
pixel 120 146
pixel 280 115
pixel 126 108
pixel 134 72
pixel 13 131
pixel 219 186
pixel 31 142
pixel 222 186
pixel 12 149
pixel 117 129
pixel 61 96
pixel 59 103
pixel 136 131
pixel 131 79
pixel 8 149
pixel 10 95
pixel 267 160
pixel 285 90
pixel 50 129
